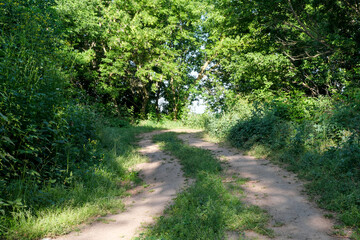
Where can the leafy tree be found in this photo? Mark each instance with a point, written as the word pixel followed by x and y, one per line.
pixel 286 45
pixel 145 40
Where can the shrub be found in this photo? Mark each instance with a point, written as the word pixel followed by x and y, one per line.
pixel 318 138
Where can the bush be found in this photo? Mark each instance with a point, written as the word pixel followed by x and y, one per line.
pixel 316 138
pixel 45 137
pixel 219 125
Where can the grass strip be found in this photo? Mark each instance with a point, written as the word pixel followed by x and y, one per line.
pixel 208 208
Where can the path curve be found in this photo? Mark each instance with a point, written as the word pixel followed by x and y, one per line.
pixel 270 187
pixel 164 177
pixel 275 190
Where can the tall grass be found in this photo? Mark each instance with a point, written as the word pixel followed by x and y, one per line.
pixel 57 208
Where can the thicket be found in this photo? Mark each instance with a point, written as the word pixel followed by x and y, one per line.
pixel 294 66
pixel 48 139
pixel 279 78
pixel 57 169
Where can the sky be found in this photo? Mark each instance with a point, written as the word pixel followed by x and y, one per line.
pixel 198 107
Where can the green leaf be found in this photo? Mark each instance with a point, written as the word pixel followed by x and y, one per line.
pixel 8 140
pixel 4 117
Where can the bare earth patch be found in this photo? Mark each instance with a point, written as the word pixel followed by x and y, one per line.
pixel 269 187
pixel 275 190
pixel 163 178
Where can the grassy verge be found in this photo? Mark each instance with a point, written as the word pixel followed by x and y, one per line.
pixel 57 208
pixel 330 164
pixel 209 208
pixel 317 138
pixel 163 124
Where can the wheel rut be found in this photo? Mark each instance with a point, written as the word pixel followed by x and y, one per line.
pixel 269 187
pixel 163 177
pixel 275 190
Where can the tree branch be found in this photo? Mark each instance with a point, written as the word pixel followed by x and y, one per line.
pixel 305 29
pixel 302 57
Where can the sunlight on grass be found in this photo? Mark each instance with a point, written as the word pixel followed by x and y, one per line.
pixel 91 192
pixel 56 221
pixel 164 124
pixel 207 209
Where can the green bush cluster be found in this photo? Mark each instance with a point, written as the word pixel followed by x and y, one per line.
pixel 46 137
pixel 89 190
pixel 219 124
pixel 38 121
pixel 316 137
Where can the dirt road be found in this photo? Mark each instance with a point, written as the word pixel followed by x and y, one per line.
pixel 163 178
pixel 271 188
pixel 275 190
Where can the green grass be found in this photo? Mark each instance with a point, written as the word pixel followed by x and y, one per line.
pixel 162 124
pixel 194 160
pixel 320 151
pixel 208 208
pixel 55 209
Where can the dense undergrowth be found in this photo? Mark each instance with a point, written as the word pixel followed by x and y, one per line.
pixel 91 185
pixel 207 209
pixel 60 161
pixel 318 138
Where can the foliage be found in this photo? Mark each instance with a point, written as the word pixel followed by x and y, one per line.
pixel 50 151
pixel 56 207
pixel 34 112
pixel 129 55
pixel 281 79
pixel 260 47
pixel 219 124
pixel 313 137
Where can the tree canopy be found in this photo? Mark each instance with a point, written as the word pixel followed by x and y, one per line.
pixel 63 63
pixel 151 58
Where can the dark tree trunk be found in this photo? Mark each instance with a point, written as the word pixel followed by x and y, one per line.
pixel 175 105
pixel 157 108
pixel 144 103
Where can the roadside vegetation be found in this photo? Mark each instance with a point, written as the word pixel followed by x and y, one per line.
pixel 209 208
pixel 316 138
pixel 279 80
pixel 92 187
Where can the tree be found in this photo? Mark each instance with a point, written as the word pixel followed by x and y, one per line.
pixel 286 45
pixel 145 42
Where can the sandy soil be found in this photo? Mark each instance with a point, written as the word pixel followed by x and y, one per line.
pixel 275 190
pixel 270 187
pixel 163 177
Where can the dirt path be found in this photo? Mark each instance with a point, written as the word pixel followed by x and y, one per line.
pixel 271 188
pixel 163 178
pixel 275 190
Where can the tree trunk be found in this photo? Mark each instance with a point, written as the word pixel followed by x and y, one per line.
pixel 144 103
pixel 157 107
pixel 176 112
pixel 175 106
pixel 116 107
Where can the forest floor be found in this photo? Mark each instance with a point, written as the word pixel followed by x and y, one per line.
pixel 274 189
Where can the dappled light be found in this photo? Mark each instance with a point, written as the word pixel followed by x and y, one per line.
pixel 275 190
pixel 80 81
